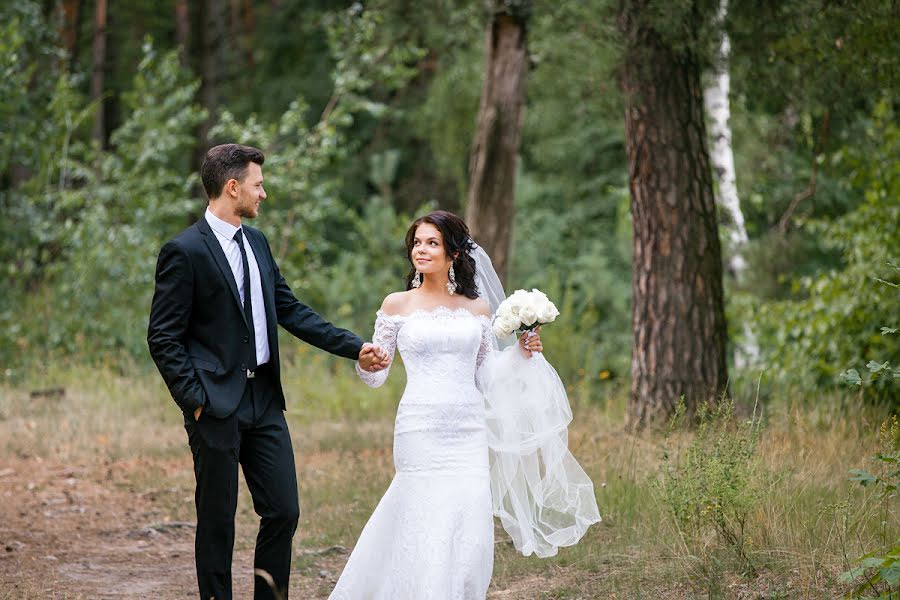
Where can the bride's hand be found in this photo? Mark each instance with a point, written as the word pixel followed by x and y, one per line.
pixel 530 342
pixel 373 358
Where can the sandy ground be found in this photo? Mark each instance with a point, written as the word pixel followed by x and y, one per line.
pixel 96 532
pixel 85 533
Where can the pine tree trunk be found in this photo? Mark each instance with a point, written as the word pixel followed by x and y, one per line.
pixel 678 313
pixel 718 109
pixel 70 30
pixel 492 164
pixel 182 30
pixel 249 33
pixel 212 65
pixel 98 71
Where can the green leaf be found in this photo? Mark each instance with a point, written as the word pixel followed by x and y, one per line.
pixel 876 367
pixel 891 574
pixel 887 330
pixel 873 561
pixel 852 377
pixel 850 575
pixel 863 477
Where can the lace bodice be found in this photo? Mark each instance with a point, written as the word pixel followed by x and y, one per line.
pixel 437 345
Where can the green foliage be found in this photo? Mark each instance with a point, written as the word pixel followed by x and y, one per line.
pixel 106 221
pixel 814 54
pixel 28 73
pixel 715 482
pixel 880 570
pixel 366 112
pixel 340 255
pixel 838 317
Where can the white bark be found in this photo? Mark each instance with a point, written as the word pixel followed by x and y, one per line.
pixel 718 110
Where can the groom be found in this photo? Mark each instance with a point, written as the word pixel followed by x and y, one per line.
pixel 213 335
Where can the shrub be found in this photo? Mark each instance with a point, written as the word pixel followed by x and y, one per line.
pixel 714 483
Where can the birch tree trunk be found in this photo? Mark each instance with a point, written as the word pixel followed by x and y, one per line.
pixel 490 204
pixel 718 110
pixel 678 312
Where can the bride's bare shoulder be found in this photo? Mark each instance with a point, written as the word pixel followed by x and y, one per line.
pixel 396 303
pixel 479 306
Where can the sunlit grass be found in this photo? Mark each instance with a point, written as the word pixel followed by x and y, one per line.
pixel 803 530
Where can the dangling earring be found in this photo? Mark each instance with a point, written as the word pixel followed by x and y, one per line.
pixel 417 280
pixel 451 285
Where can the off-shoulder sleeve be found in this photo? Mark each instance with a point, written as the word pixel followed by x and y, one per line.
pixel 487 342
pixel 386 327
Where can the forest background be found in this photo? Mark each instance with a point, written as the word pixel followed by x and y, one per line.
pixel 367 113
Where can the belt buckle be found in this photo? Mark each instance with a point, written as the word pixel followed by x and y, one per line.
pixel 251 374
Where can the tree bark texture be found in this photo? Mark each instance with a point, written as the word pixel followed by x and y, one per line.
pixel 492 164
pixel 98 71
pixel 678 315
pixel 70 30
pixel 212 64
pixel 182 30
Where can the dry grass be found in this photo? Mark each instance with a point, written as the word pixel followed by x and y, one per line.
pixel 125 434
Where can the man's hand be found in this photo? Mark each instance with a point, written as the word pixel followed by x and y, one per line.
pixel 197 413
pixel 373 358
pixel 530 342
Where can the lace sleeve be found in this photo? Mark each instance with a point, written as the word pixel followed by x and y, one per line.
pixel 487 342
pixel 385 336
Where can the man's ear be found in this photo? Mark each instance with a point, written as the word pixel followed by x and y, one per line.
pixel 231 186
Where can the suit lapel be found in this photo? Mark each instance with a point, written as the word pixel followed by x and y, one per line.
pixel 212 243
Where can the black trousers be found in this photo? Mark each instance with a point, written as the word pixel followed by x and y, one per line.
pixel 256 437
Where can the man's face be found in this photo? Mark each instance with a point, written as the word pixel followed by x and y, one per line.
pixel 250 193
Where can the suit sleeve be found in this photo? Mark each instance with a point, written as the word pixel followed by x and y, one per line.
pixel 169 320
pixel 304 323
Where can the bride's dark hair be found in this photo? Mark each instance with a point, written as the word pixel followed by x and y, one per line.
pixel 456 242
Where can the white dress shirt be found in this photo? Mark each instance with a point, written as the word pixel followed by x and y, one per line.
pixel 225 234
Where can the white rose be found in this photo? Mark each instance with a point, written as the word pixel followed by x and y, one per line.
pixel 528 315
pixel 548 313
pixel 540 304
pixel 505 325
pixel 539 296
pixel 518 300
pixel 503 310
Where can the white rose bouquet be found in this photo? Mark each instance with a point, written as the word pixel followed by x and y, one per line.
pixel 523 311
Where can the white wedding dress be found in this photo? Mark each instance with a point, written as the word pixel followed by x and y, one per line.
pixel 432 535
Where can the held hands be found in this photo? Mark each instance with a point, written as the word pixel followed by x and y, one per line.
pixel 373 358
pixel 530 342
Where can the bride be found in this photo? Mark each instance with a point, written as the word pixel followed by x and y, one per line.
pixel 479 432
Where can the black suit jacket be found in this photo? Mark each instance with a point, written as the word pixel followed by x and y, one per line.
pixel 198 336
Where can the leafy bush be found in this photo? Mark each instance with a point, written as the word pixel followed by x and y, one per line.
pixel 880 570
pixel 715 482
pixel 879 370
pixel 105 216
pixel 837 316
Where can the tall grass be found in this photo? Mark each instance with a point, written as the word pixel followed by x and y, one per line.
pixel 801 530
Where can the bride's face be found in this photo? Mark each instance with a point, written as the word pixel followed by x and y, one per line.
pixel 429 255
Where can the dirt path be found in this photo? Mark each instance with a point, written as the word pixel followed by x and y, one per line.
pixel 101 532
pixel 85 532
